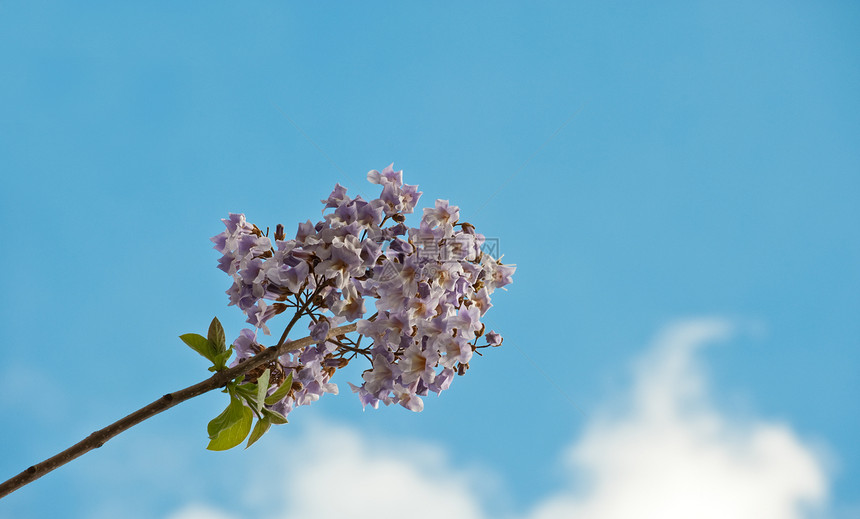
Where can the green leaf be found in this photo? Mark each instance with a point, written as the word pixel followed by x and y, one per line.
pixel 216 335
pixel 235 434
pixel 230 416
pixel 200 344
pixel 248 391
pixel 220 360
pixel 281 392
pixel 259 430
pixel 274 417
pixel 262 388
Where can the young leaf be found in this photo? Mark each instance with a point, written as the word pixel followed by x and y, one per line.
pixel 251 401
pixel 220 360
pixel 259 430
pixel 200 344
pixel 248 392
pixel 274 416
pixel 281 392
pixel 216 335
pixel 235 434
pixel 262 388
pixel 247 389
pixel 227 418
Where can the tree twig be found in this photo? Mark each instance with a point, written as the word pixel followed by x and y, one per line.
pixel 100 437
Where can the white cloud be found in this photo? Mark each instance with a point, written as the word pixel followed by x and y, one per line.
pixel 668 453
pixel 671 454
pixel 386 480
pixel 373 479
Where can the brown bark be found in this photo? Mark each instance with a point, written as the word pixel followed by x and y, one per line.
pixel 100 437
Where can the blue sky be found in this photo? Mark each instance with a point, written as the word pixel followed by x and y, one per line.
pixel 651 170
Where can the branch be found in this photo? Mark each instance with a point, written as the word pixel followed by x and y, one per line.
pixel 100 437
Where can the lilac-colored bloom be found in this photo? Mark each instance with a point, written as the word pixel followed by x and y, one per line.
pixel 351 306
pixel 227 264
pixel 493 338
pixel 254 245
pixel 291 278
pixel 260 313
pixel 390 197
pixel 343 215
pixel 246 345
pixel 442 214
pixel 457 350
pixel 431 286
pixel 418 364
pixel 344 262
pixel 319 331
pixel 387 177
pixel 468 321
pixel 482 300
pixel 410 401
pixel 365 396
pixel 305 229
pixel 369 214
pixel 442 381
pixel 409 196
pixel 336 198
pixel 382 376
pixel 500 275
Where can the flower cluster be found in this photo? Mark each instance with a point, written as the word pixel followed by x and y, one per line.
pixel 430 286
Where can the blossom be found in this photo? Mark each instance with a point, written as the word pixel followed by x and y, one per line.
pixel 319 331
pixel 388 176
pixel 430 286
pixel 494 339
pixel 442 214
pixel 246 345
pixel 262 312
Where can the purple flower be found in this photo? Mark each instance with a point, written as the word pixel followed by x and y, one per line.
pixel 254 245
pixel 467 322
pixel 227 264
pixel 410 401
pixel 482 301
pixel 305 229
pixel 418 364
pixel 344 262
pixel 319 331
pixel 236 222
pixel 387 177
pixel 457 350
pixel 220 241
pixel 442 214
pixel 351 306
pixel 290 278
pixel 493 338
pixel 246 345
pixel 365 396
pixel 382 376
pixel 430 286
pixel 409 196
pixel 261 312
pixel 442 381
pixel 343 215
pixel 336 198
pixel 369 215
pixel 500 275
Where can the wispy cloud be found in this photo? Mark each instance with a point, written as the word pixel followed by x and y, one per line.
pixel 667 453
pixel 672 454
